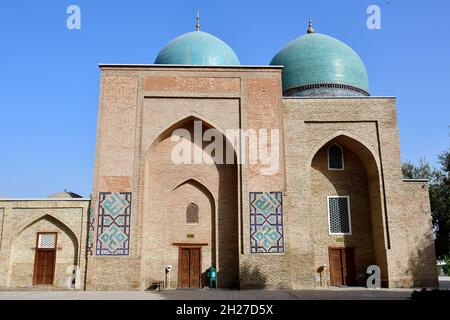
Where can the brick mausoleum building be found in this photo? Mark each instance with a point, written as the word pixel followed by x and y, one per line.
pixel 334 203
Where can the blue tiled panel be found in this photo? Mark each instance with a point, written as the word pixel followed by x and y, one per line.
pixel 113 230
pixel 266 222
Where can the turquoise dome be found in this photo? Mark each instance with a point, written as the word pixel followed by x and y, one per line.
pixel 321 65
pixel 197 48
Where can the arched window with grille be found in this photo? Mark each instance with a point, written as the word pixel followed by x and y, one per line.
pixel 335 157
pixel 192 213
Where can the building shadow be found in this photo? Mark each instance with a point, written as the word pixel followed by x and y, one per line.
pixel 253 278
pixel 422 265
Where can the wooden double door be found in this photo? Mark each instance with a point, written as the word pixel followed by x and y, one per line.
pixel 342 266
pixel 45 258
pixel 44 266
pixel 189 270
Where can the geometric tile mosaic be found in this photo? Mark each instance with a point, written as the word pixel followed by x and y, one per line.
pixel 113 224
pixel 266 222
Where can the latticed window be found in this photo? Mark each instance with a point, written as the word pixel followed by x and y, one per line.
pixel 46 240
pixel 339 215
pixel 192 213
pixel 335 157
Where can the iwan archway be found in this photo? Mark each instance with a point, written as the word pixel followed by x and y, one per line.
pixel 190 209
pixel 346 210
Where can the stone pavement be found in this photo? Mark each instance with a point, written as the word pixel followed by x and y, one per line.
pixel 215 294
pixel 218 294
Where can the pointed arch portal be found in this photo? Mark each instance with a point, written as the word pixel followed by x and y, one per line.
pixel 54 249
pixel 357 188
pixel 169 188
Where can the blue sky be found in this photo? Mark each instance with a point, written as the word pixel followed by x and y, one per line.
pixel 50 84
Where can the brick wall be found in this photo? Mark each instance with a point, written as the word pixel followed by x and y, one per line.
pixel 23 219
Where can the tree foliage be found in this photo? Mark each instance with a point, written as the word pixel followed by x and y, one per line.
pixel 439 186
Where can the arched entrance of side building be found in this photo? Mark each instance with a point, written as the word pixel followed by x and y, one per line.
pixel 44 253
pixel 346 210
pixel 191 209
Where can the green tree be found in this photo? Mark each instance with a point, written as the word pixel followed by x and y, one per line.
pixel 439 186
pixel 422 170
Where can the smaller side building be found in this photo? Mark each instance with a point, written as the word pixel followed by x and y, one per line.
pixel 43 241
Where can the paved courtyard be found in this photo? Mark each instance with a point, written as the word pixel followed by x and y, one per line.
pixel 218 294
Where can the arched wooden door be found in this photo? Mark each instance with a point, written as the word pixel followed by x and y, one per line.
pixel 45 258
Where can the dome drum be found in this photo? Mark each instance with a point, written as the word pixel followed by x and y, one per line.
pixel 325 89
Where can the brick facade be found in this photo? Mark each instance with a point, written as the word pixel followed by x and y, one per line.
pixel 139 108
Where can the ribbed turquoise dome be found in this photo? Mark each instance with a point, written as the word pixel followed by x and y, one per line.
pixel 319 61
pixel 197 48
